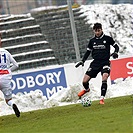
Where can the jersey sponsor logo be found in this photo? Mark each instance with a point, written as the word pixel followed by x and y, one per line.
pixel 121 68
pixel 48 81
pixel 3 66
pixel 99 47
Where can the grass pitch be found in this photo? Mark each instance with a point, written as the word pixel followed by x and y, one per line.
pixel 115 116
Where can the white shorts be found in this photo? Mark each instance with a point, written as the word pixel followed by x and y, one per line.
pixel 5 85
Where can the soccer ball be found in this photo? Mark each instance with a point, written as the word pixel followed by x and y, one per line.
pixel 86 102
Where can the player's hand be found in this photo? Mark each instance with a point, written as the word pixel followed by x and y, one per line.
pixel 79 63
pixel 114 55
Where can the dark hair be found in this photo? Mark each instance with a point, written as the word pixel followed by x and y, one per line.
pixel 97 26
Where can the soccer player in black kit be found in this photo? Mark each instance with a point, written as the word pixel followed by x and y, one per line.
pixel 99 47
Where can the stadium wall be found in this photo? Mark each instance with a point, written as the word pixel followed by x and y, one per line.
pixel 51 79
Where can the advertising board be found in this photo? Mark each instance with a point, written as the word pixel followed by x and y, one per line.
pixel 121 68
pixel 48 81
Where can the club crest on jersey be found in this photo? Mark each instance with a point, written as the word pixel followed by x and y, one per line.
pixel 104 41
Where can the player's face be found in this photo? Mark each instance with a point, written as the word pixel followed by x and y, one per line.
pixel 98 32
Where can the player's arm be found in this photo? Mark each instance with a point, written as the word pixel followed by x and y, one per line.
pixel 84 59
pixel 115 53
pixel 0 39
pixel 86 55
pixel 14 63
pixel 116 47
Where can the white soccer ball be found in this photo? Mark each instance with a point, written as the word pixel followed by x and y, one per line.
pixel 86 102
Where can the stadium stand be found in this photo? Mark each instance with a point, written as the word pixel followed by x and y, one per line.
pixel 23 38
pixel 56 26
pixel 43 38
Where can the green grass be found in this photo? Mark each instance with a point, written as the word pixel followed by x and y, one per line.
pixel 115 116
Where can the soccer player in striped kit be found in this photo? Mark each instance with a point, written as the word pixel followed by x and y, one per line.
pixel 6 60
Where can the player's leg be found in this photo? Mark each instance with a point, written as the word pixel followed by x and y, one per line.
pixel 105 74
pixel 85 82
pixel 7 91
pixel 11 103
pixel 90 73
pixel 86 85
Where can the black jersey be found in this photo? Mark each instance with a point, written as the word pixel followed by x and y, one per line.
pixel 100 47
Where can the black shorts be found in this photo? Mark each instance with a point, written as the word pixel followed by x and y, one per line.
pixel 98 66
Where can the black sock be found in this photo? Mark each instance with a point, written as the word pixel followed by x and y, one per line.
pixel 104 88
pixel 86 85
